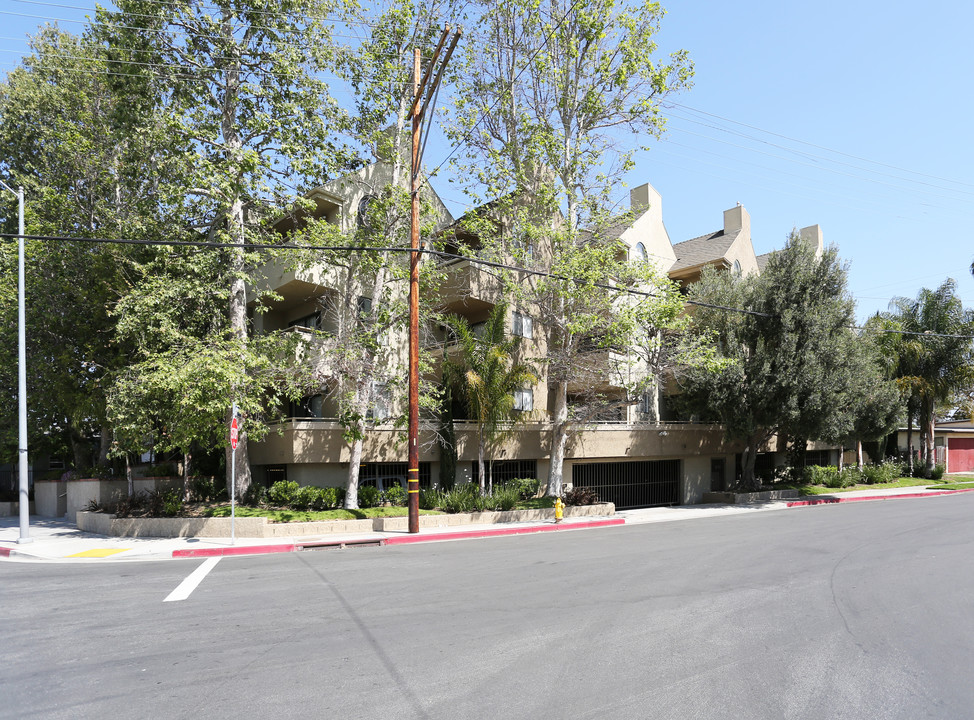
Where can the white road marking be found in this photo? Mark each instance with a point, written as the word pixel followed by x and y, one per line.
pixel 186 587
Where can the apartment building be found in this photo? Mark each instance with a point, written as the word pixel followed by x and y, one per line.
pixel 641 454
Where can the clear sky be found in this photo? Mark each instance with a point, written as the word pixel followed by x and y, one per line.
pixel 855 115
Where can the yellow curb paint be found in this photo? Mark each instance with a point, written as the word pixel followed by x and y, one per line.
pixel 97 553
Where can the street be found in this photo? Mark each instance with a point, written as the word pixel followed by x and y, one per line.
pixel 861 610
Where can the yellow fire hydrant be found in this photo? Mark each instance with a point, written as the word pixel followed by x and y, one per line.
pixel 559 510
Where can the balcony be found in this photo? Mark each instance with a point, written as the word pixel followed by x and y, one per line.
pixel 467 288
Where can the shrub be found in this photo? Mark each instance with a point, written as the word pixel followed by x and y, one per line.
pixel 937 473
pixel 460 499
pixel 203 489
pixel 827 475
pixel 255 496
pixel 581 496
pixel 172 503
pixel 525 487
pixel 396 495
pixel 328 497
pixel 884 473
pixel 429 498
pixel 850 476
pixel 506 498
pixel 160 470
pixel 282 493
pixel 306 498
pixel 369 496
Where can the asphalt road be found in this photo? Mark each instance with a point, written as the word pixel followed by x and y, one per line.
pixel 861 610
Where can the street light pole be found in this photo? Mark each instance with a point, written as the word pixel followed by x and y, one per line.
pixel 22 373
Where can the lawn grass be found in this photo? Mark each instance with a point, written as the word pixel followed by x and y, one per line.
pixel 281 515
pixel 956 486
pixel 899 483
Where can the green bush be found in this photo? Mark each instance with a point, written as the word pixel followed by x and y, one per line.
pixel 172 503
pixel 160 470
pixel 307 498
pixel 525 487
pixel 396 495
pixel 282 493
pixel 255 496
pixel 461 499
pixel 850 476
pixel 369 496
pixel 827 475
pixel 506 498
pixel 938 472
pixel 203 489
pixel 429 498
pixel 329 497
pixel 884 473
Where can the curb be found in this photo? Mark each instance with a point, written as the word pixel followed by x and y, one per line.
pixel 832 500
pixel 403 540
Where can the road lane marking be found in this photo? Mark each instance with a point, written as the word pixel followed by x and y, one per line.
pixel 97 553
pixel 186 587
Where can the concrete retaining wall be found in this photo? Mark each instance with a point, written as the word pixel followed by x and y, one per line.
pixel 83 491
pixel 259 527
pixel 11 509
pixel 754 497
pixel 51 497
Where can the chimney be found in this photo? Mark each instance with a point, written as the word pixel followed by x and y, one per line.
pixel 812 235
pixel 736 219
pixel 643 197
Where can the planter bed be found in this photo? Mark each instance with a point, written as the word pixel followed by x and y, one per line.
pixel 259 527
pixel 730 498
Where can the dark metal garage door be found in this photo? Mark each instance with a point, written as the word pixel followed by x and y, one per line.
pixel 647 483
pixel 960 454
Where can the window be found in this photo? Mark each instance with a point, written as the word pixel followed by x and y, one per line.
pixel 646 404
pixel 737 267
pixel 308 407
pixel 362 216
pixel 524 400
pixel 381 406
pixel 639 252
pixel 311 322
pixel 364 305
pixel 522 325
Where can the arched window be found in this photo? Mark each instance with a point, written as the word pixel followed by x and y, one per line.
pixel 639 252
pixel 737 267
pixel 362 216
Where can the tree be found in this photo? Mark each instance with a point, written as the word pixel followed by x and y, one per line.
pixel 934 352
pixel 790 357
pixel 91 167
pixel 552 85
pixel 247 96
pixel 486 374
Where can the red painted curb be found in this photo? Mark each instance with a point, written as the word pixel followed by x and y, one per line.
pixel 834 500
pixel 460 535
pixel 243 550
pixel 4 552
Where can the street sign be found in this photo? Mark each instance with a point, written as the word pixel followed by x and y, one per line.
pixel 234 433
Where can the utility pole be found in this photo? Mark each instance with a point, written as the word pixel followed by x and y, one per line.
pixel 423 92
pixel 22 374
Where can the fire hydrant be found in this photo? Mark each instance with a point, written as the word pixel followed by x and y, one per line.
pixel 559 510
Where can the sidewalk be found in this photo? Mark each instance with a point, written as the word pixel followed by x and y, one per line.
pixel 60 541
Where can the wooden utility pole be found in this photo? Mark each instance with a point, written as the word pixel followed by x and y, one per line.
pixel 422 94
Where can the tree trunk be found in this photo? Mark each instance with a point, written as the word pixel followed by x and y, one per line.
pixel 749 481
pixel 187 458
pixel 909 440
pixel 104 445
pixel 559 437
pixel 354 465
pixel 841 457
pixel 128 476
pixel 859 462
pixel 481 470
pixel 930 441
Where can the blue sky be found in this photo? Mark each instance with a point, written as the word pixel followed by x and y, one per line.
pixel 854 115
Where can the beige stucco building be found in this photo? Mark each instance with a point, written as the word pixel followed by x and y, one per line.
pixel 634 458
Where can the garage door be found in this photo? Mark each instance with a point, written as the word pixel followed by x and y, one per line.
pixel 648 483
pixel 960 454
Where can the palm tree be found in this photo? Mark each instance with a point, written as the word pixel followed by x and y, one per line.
pixel 485 374
pixel 935 354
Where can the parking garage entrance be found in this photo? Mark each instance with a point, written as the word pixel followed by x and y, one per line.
pixel 631 484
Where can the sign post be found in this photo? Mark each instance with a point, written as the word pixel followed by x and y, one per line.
pixel 234 439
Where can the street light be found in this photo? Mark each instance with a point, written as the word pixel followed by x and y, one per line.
pixel 21 372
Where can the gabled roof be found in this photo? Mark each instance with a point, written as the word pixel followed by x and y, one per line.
pixel 763 260
pixel 703 250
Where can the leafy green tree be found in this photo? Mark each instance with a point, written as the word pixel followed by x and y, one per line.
pixel 790 362
pixel 91 167
pixel 934 352
pixel 551 87
pixel 246 93
pixel 485 373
